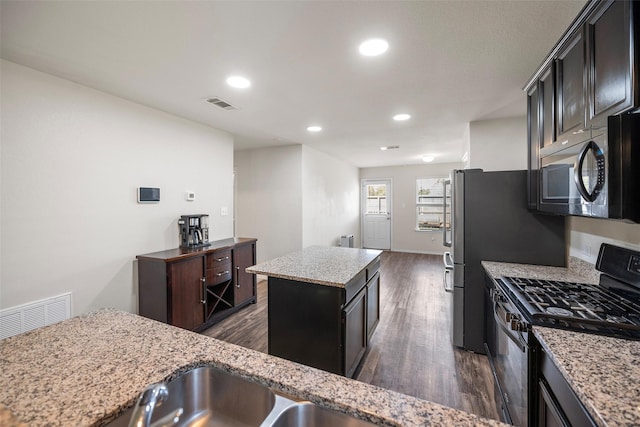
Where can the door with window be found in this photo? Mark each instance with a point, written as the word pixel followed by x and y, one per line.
pixel 376 214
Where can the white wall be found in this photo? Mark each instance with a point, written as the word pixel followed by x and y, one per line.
pixel 587 234
pixel 330 198
pixel 499 144
pixel 404 237
pixel 72 158
pixel 269 199
pixel 294 196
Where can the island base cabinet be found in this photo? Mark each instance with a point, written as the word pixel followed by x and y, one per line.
pixel 373 304
pixel 355 336
pixel 327 327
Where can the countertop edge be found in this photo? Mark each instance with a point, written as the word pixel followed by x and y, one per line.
pixel 104 379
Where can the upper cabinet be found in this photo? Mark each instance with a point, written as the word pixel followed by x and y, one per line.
pixel 588 76
pixel 570 90
pixel 609 61
pixel 591 73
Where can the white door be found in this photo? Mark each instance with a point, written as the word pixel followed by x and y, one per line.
pixel 376 214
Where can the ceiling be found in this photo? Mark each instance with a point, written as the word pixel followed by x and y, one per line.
pixel 449 63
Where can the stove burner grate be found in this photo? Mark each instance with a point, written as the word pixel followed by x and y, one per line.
pixel 577 305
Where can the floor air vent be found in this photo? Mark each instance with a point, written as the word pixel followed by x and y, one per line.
pixel 23 318
pixel 218 102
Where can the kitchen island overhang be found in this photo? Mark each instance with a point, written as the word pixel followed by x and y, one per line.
pixel 324 305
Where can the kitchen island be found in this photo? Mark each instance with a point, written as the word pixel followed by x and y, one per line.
pixel 87 370
pixel 324 305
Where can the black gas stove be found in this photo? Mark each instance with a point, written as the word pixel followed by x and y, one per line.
pixel 611 308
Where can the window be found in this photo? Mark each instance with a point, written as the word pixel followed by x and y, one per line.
pixel 430 204
pixel 376 199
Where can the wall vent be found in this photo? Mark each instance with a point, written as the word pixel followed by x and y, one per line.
pixel 218 102
pixel 23 318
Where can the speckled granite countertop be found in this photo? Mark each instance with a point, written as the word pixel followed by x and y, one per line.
pixel 331 265
pixel 88 369
pixel 578 271
pixel 604 372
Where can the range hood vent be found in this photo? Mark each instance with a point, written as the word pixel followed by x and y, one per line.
pixel 219 102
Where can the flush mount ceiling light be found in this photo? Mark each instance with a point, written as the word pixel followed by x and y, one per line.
pixel 427 159
pixel 389 147
pixel 401 117
pixel 373 47
pixel 314 128
pixel 238 82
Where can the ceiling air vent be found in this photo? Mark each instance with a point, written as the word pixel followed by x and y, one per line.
pixel 220 103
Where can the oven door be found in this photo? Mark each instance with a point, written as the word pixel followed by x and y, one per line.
pixel 573 180
pixel 510 357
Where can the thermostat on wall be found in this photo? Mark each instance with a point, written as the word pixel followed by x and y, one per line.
pixel 148 195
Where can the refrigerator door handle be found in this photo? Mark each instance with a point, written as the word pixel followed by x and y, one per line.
pixel 445 242
pixel 447 272
pixel 447 260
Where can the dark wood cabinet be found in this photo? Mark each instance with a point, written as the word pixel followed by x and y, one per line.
pixel 244 283
pixel 195 288
pixel 373 304
pixel 591 73
pixel 570 87
pixel 533 124
pixel 355 331
pixel 556 404
pixel 547 90
pixel 327 327
pixel 610 59
pixel 186 293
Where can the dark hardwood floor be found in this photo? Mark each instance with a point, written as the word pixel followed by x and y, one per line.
pixel 411 350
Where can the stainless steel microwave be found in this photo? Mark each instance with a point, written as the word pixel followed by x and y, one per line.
pixel 596 177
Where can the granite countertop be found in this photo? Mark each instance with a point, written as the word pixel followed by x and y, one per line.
pixel 89 369
pixel 604 372
pixel 577 271
pixel 331 265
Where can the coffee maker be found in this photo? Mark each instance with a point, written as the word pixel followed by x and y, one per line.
pixel 194 231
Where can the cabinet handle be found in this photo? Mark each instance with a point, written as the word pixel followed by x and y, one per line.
pixel 237 282
pixel 223 273
pixel 203 279
pixel 222 259
pixel 203 292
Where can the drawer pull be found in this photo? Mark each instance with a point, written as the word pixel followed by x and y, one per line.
pixel 222 259
pixel 223 273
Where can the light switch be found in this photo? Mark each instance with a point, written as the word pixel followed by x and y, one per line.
pixel 224 211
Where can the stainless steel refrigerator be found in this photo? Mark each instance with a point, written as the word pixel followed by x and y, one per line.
pixel 490 221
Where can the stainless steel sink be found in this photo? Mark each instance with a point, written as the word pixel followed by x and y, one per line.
pixel 211 397
pixel 214 398
pixel 310 415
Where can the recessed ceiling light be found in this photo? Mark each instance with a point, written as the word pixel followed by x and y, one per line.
pixel 427 159
pixel 314 128
pixel 373 47
pixel 401 117
pixel 238 82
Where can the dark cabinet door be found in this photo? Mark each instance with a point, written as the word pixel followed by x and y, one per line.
pixel 533 124
pixel 244 283
pixel 547 107
pixel 373 304
pixel 609 61
pixel 570 90
pixel 355 332
pixel 186 288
